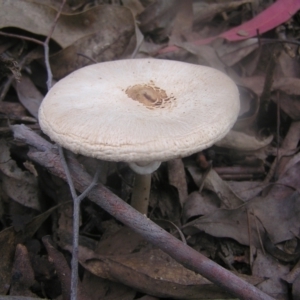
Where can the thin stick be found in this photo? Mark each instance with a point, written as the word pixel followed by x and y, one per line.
pixel 119 209
pixel 76 220
pixel 76 199
pixel 22 37
pixel 46 46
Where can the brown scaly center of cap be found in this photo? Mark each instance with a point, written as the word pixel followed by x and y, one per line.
pixel 150 95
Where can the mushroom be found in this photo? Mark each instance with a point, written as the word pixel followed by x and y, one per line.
pixel 141 111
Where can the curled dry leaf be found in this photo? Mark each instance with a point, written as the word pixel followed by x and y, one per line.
pixel 296 288
pixel 124 257
pixel 243 142
pixel 21 186
pixel 254 83
pixel 164 198
pixel 289 104
pixel 204 12
pixel 97 288
pixel 232 53
pixel 288 85
pixel 272 270
pixel 22 274
pixel 38 18
pixel 113 40
pixel 159 16
pixel 214 183
pixel 281 221
pixel 8 240
pixel 246 190
pixel 135 6
pixel 177 178
pixel 29 95
pixel 200 204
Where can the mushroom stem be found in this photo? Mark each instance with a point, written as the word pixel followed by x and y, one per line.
pixel 141 193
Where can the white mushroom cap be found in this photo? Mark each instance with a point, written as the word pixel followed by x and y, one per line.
pixel 140 110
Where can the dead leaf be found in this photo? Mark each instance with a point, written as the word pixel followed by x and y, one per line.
pixel 214 183
pixel 230 54
pixel 200 204
pixel 99 288
pixel 268 267
pixel 21 186
pixel 124 257
pixel 63 270
pixel 246 190
pixel 204 12
pixel 22 274
pixel 29 95
pixel 288 85
pixel 289 104
pixel 182 23
pixel 254 83
pixel 164 199
pixel 38 18
pixel 14 111
pixel 8 241
pixel 296 288
pixel 135 6
pixel 177 178
pixel 281 221
pixel 243 142
pixel 114 40
pixel 276 14
pixel 157 18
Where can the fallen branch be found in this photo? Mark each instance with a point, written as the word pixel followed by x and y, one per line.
pixel 46 155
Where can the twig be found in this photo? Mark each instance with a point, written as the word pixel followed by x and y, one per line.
pixel 76 200
pixel 206 41
pixel 87 57
pixel 22 37
pixel 250 240
pixel 119 209
pixel 76 209
pixel 46 46
pixel 270 72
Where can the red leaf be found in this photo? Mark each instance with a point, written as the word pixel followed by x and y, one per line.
pixel 276 14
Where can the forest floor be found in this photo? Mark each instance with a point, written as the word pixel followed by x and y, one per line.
pixel 236 203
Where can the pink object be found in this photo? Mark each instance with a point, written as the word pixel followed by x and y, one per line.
pixel 276 14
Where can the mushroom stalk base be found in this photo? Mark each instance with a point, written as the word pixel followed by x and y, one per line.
pixel 141 193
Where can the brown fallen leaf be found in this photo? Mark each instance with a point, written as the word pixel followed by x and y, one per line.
pixel 116 39
pixel 182 23
pixel 232 53
pixel 38 17
pixel 213 182
pixel 157 18
pixel 127 258
pixel 243 142
pixel 104 289
pixel 204 12
pixel 63 270
pixel 234 223
pixel 19 185
pixel 13 111
pixel 200 204
pixel 269 268
pixel 22 274
pixel 177 178
pixel 29 95
pixel 8 241
pixel 164 199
